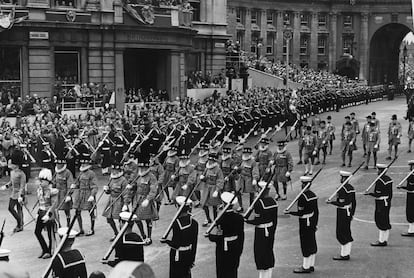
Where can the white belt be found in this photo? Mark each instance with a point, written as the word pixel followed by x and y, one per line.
pixel 265 226
pixel 46 160
pixel 228 239
pixel 182 248
pixel 307 217
pixel 383 198
pixel 347 207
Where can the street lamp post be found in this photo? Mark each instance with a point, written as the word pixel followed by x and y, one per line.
pixel 405 62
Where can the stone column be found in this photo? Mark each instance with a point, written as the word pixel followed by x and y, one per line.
pixel 279 36
pixel 119 80
pixel 248 33
pixel 263 31
pixel 332 41
pixel 173 76
pixel 296 39
pixel 313 53
pixel 364 66
pixel 25 90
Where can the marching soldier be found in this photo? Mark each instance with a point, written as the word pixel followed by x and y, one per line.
pixel 130 167
pixel 308 214
pixel 117 194
pixel 249 175
pixel 263 157
pixel 105 148
pixel 170 168
pixel 394 135
pixel 302 130
pixel 409 212
pixel 46 213
pixel 309 145
pixel 383 197
pixel 25 162
pixel 265 222
pixel 322 141
pixel 62 181
pixel 377 122
pixel 46 156
pixel 227 165
pixel 213 182
pixel 355 126
pixel 372 143
pixel 16 184
pixel 365 130
pixel 131 246
pixel 199 170
pixel 183 243
pixel 229 240
pixel 86 187
pixel 182 187
pixel 331 133
pixel 347 144
pixel 142 194
pixel 346 205
pixel 158 171
pixel 283 167
pixel 69 263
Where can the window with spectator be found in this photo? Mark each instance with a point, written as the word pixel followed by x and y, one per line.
pixel 348 21
pixel 10 81
pixel 270 43
pixel 67 68
pixel 270 18
pixel 287 19
pixel 322 20
pixel 321 45
pixel 304 20
pixel 304 42
pixel 195 4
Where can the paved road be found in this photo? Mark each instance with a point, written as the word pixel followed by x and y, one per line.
pixel 392 261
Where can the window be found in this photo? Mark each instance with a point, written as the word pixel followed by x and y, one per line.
pixel 322 20
pixel 304 65
pixel 240 39
pixel 254 17
pixel 270 17
pixel 270 43
pixel 304 45
pixel 10 71
pixel 67 67
pixel 285 47
pixel 347 21
pixel 321 45
pixel 348 45
pixel 195 4
pixel 287 17
pixel 304 20
pixel 239 15
pixel 256 41
pixel 65 3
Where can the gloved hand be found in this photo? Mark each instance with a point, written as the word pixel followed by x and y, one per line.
pixel 129 187
pixel 20 200
pixel 287 174
pixel 271 162
pixel 91 199
pixel 184 187
pixel 215 194
pixel 67 199
pixel 202 177
pixel 324 142
pixel 292 128
pixel 375 146
pixel 267 170
pixel 73 186
pixel 124 208
pixel 173 177
pixel 45 218
pixel 145 138
pixel 254 182
pixel 314 153
pixel 145 203
pixel 351 143
pixel 106 188
pixel 226 179
pixel 3 187
pixel 236 168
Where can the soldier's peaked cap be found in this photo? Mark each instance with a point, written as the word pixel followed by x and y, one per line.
pixel 345 173
pixel 305 179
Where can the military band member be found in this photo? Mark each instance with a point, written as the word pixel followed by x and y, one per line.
pixel 62 181
pixel 331 132
pixel 409 209
pixel 263 157
pixel 184 185
pixel 227 164
pixel 372 144
pixel 117 194
pixel 394 136
pixel 199 170
pixel 142 193
pixel 249 175
pixel 346 205
pixel 410 133
pixel 347 143
pixel 85 189
pixel 383 197
pixel 16 185
pixel 213 182
pixel 105 148
pixel 308 214
pixel 158 171
pixel 309 145
pixel 46 214
pixel 130 167
pixel 364 135
pixel 322 141
pixel 183 243
pixel 69 263
pixel 265 222
pixel 229 240
pixel 283 167
pixel 170 169
pixel 131 246
pixel 46 157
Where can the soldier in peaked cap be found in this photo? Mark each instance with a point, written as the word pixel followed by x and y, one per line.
pixel 347 143
pixel 394 136
pixel 69 263
pixel 265 222
pixel 331 132
pixel 62 181
pixel 309 145
pixel 46 158
pixel 105 148
pixel 283 167
pixel 372 143
pixel 183 242
pixel 346 205
pixel 322 141
pixel 170 168
pixel 158 171
pixel 308 214
pixel 249 175
pixel 86 187
pixel 383 196
pixel 229 240
pixel 409 212
pixel 200 167
pixel 117 194
pixel 183 186
pixel 131 246
pixel 227 165
pixel 263 157
pixel 364 135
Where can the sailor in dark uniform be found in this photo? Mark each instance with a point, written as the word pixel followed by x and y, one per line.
pixel 383 197
pixel 69 263
pixel 308 214
pixel 131 246
pixel 410 201
pixel 25 161
pixel 229 240
pixel 345 211
pixel 183 242
pixel 46 159
pixel 105 148
pixel 265 221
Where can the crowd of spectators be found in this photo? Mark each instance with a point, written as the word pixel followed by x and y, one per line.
pixel 198 80
pixel 141 95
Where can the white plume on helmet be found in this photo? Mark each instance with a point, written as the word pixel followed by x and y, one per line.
pixel 45 174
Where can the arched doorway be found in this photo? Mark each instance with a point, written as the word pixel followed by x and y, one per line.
pixel 385 52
